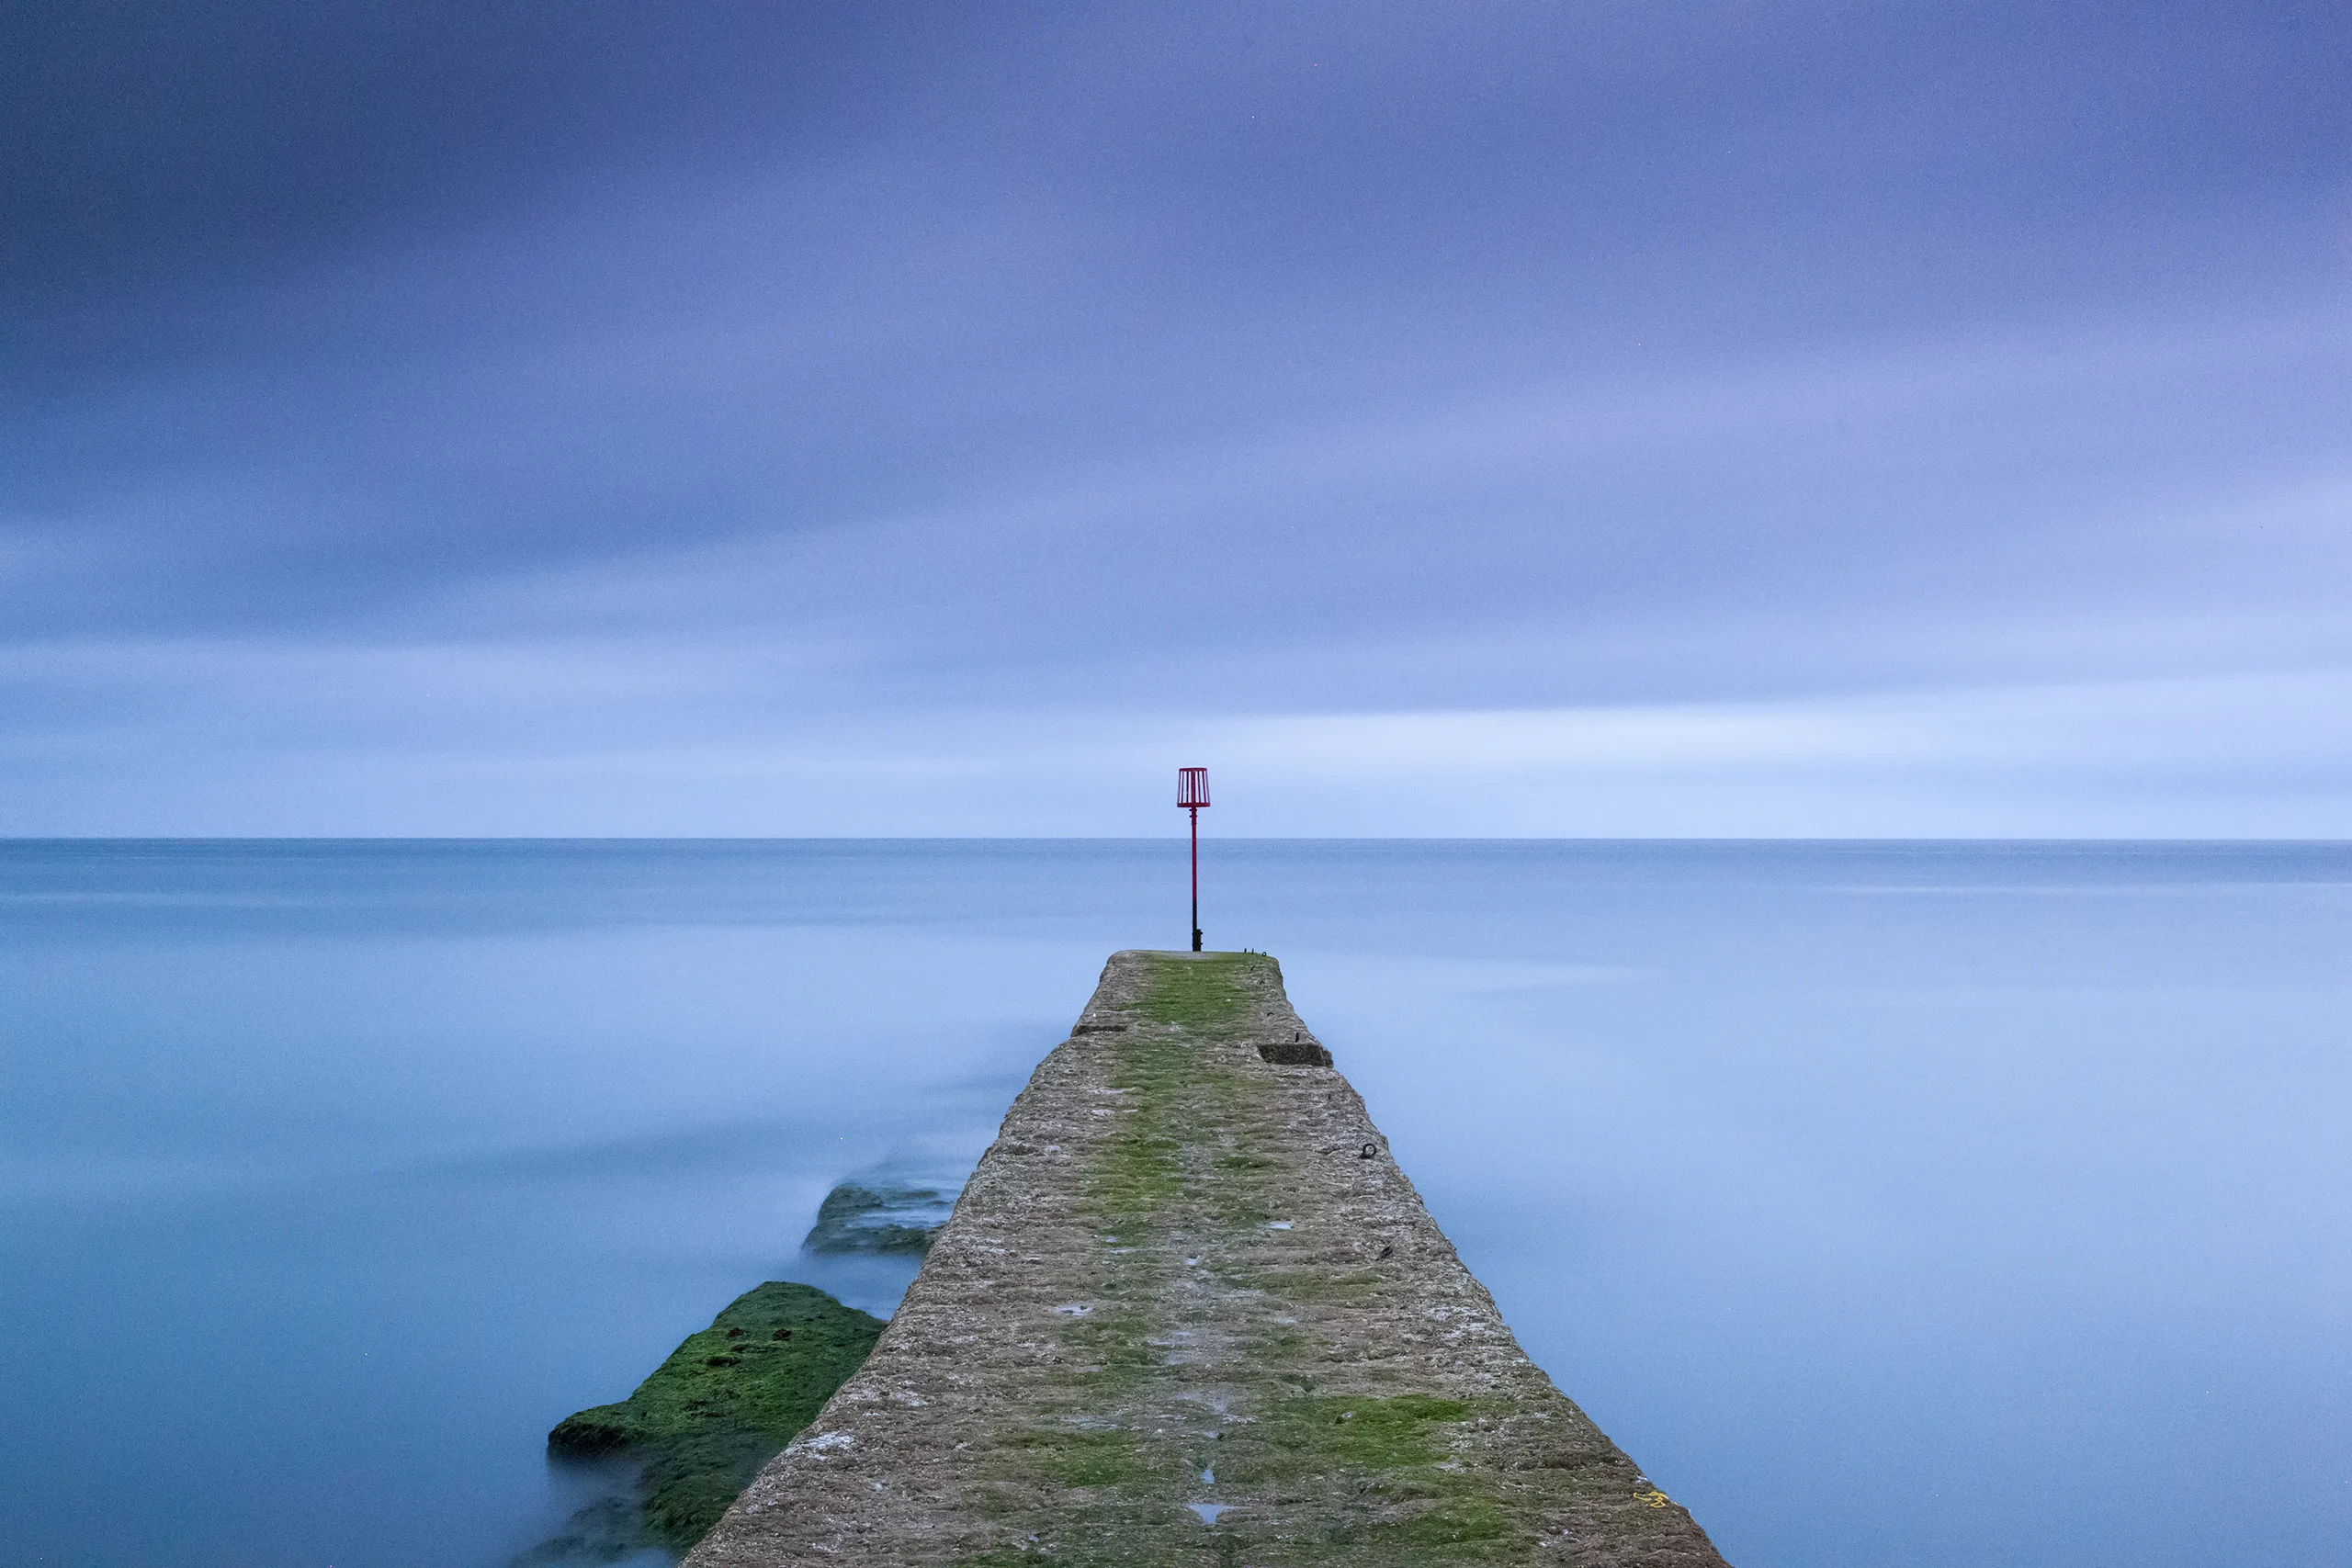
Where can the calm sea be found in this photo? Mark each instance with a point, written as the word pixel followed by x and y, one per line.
pixel 1894 1204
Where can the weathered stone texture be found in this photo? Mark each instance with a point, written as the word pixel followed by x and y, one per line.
pixel 1187 1284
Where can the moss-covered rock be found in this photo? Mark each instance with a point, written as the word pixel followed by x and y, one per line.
pixel 724 1402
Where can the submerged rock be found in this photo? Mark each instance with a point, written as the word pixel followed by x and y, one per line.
pixel 611 1529
pixel 723 1403
pixel 879 1217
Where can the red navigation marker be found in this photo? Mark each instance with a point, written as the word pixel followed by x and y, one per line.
pixel 1192 793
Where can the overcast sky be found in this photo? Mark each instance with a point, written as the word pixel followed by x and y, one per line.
pixel 1716 418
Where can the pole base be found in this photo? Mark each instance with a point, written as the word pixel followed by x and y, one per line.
pixel 1196 938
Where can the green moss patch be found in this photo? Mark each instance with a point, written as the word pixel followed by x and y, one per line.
pixel 1397 1493
pixel 1101 1458
pixel 724 1402
pixel 1112 1352
pixel 1355 1287
pixel 1205 993
pixel 1319 1433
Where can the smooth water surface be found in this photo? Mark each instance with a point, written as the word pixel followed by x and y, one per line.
pixel 1921 1204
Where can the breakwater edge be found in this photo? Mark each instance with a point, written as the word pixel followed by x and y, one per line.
pixel 1188 1310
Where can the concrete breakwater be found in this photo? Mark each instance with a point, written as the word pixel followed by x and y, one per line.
pixel 1188 1311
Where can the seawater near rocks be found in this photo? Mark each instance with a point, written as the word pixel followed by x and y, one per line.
pixel 1190 1311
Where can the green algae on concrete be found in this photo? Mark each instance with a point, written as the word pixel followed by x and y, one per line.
pixel 1188 1313
pixel 724 1402
pixel 1201 993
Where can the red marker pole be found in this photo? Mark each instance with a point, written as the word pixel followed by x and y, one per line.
pixel 1192 793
